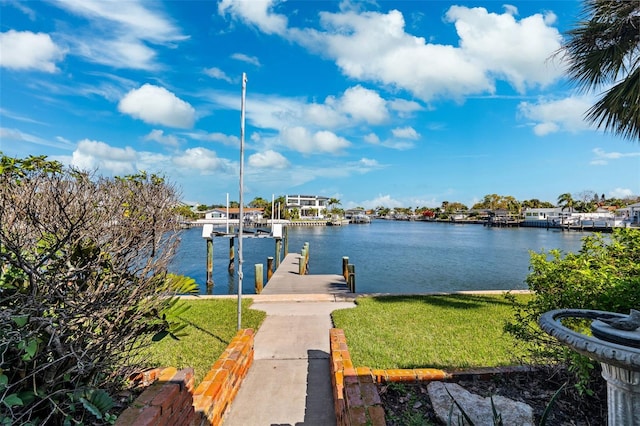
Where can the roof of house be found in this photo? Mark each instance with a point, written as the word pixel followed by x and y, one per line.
pixel 237 210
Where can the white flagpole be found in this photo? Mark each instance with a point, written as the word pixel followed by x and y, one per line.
pixel 241 213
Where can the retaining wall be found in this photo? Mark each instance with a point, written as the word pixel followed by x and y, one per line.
pixel 170 398
pixel 355 393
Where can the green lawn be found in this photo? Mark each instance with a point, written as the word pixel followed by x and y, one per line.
pixel 212 325
pixel 447 331
pixel 454 331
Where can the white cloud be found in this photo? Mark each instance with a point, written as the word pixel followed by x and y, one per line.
pixel 125 32
pixel 21 6
pixel 400 145
pixel 510 9
pixel 203 159
pixel 119 53
pixel 364 104
pixel 90 155
pixel 403 107
pixel 549 116
pixel 302 140
pixel 602 157
pixel 516 50
pixel 354 106
pixel 156 105
pixel 135 16
pixel 372 138
pixel 24 50
pixel 323 115
pixel 621 193
pixel 381 200
pixel 375 47
pixel 246 58
pixel 268 159
pixel 20 136
pixel 159 136
pixel 257 13
pixel 367 162
pixel 405 133
pixel 230 140
pixel 218 74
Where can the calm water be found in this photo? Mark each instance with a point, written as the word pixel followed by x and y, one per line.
pixel 390 256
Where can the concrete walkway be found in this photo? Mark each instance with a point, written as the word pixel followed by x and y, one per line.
pixel 289 382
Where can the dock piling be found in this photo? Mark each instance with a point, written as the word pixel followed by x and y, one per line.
pixel 278 251
pixel 269 268
pixel 302 268
pixel 345 270
pixel 209 262
pixel 351 282
pixel 259 285
pixel 232 264
pixel 286 241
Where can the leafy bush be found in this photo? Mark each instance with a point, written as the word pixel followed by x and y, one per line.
pixel 83 286
pixel 603 275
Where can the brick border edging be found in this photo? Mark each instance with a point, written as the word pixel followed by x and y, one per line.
pixel 167 400
pixel 219 387
pixel 170 398
pixel 355 394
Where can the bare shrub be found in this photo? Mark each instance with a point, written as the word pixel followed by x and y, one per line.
pixel 83 286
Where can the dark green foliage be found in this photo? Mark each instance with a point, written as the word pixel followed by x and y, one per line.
pixel 602 54
pixel 603 275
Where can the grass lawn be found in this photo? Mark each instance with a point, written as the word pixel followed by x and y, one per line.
pixel 444 331
pixel 212 325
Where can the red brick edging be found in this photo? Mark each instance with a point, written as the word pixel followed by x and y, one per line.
pixel 355 394
pixel 167 400
pixel 219 387
pixel 170 398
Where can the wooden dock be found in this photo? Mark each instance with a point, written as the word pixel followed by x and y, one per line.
pixel 287 280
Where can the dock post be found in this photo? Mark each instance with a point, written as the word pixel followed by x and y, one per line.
pixel 302 262
pixel 269 268
pixel 278 251
pixel 352 278
pixel 259 278
pixel 306 257
pixel 286 241
pixel 209 262
pixel 232 265
pixel 345 270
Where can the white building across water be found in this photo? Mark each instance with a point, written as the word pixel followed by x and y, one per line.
pixel 308 206
pixel 600 218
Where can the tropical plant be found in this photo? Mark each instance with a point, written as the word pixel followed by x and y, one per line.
pixel 83 286
pixel 332 203
pixel 565 201
pixel 602 51
pixel 603 275
pixel 259 203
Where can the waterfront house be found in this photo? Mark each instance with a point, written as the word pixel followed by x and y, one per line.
pixel 602 217
pixel 234 213
pixel 629 214
pixel 309 206
pixel 531 214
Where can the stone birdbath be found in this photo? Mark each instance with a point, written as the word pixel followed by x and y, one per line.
pixel 615 343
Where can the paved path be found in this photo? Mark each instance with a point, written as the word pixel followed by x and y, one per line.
pixel 289 382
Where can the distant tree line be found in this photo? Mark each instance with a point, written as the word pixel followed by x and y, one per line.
pixel 585 201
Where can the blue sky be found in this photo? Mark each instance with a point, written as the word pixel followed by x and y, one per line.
pixel 393 103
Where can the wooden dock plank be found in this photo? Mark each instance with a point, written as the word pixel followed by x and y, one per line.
pixel 286 280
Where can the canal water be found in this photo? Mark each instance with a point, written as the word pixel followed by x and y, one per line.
pixel 389 256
